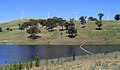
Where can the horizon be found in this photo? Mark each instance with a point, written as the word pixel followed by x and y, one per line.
pixel 14 10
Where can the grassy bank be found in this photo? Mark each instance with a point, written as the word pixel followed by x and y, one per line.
pixel 103 61
pixel 110 35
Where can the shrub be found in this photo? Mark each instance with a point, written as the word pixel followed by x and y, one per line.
pixel 27 66
pixel 15 66
pixel 37 62
pixel 99 24
pixel 7 28
pixel 1 29
pixel 10 29
pixel 105 66
pixel 31 64
pixel 20 66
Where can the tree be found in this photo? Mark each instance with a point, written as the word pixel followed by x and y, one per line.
pixel 43 22
pixel 33 30
pixel 33 22
pixel 70 27
pixel 29 23
pixel 99 24
pixel 23 26
pixel 11 29
pixel 1 29
pixel 117 17
pixel 19 25
pixel 72 19
pixel 72 31
pixel 61 23
pixel 51 23
pixel 7 28
pixel 83 21
pixel 100 16
pixel 94 19
pixel 90 18
pixel 66 25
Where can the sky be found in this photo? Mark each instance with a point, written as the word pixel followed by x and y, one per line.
pixel 12 9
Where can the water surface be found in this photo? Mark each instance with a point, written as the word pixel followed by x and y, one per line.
pixel 11 53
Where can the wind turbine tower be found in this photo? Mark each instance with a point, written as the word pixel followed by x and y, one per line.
pixel 48 15
pixel 108 15
pixel 76 15
pixel 22 14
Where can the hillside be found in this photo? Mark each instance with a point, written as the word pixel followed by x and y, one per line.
pixel 109 35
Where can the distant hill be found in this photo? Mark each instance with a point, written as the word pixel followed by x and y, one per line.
pixel 89 35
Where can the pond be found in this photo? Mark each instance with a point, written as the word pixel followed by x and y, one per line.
pixel 12 53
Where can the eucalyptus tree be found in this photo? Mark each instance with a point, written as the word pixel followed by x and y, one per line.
pixel 94 19
pixel 43 22
pixel 83 21
pixel 117 17
pixel 33 30
pixel 90 18
pixel 51 23
pixel 61 23
pixel 99 24
pixel 23 26
pixel 72 31
pixel 29 23
pixel 100 15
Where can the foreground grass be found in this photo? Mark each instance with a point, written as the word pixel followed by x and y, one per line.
pixel 110 61
pixel 109 35
pixel 103 61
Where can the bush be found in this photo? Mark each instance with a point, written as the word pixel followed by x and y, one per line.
pixel 15 66
pixel 105 66
pixel 27 66
pixel 1 29
pixel 20 66
pixel 8 29
pixel 31 64
pixel 37 62
pixel 99 24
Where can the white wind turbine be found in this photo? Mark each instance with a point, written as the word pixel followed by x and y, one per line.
pixel 22 14
pixel 48 15
pixel 108 15
pixel 76 15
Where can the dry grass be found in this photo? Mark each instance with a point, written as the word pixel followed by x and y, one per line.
pixel 109 35
pixel 109 61
pixel 88 62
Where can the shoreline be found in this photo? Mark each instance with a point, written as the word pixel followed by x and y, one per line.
pixel 87 62
pixel 61 44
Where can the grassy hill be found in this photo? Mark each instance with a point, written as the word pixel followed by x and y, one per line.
pixel 109 35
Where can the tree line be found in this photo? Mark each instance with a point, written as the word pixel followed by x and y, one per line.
pixel 32 26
